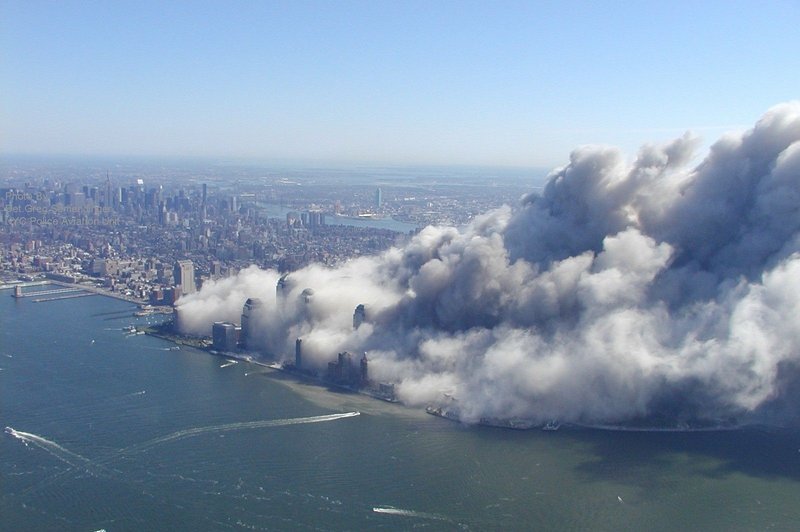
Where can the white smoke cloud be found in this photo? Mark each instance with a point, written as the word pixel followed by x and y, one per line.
pixel 222 300
pixel 623 290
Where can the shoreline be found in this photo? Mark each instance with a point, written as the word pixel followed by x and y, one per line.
pixel 143 305
pixel 300 375
pixel 88 288
pixel 202 344
pixel 101 291
pixel 511 424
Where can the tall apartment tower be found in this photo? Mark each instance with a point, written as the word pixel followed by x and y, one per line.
pixel 298 353
pixel 282 289
pixel 247 335
pixel 184 276
pixel 364 370
pixel 359 316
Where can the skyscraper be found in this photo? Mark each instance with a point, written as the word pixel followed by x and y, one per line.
pixel 184 276
pixel 364 370
pixel 224 336
pixel 359 316
pixel 250 308
pixel 298 353
pixel 282 289
pixel 107 197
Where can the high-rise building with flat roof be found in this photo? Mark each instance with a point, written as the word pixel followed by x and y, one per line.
pixel 251 306
pixel 298 353
pixel 282 289
pixel 359 316
pixel 225 336
pixel 184 276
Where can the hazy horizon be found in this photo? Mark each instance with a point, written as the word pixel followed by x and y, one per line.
pixel 254 162
pixel 512 84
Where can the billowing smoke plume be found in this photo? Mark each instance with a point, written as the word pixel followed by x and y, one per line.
pixel 623 290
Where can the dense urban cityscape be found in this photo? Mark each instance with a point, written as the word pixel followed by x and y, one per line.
pixel 151 239
pixel 126 233
pixel 363 265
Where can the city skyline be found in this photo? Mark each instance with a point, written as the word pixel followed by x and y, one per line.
pixel 509 84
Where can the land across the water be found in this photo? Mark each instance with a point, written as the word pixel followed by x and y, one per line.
pixel 166 331
pixel 82 286
pixel 121 431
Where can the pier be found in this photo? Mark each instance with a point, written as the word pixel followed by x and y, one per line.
pixel 68 296
pixel 18 293
pixel 66 288
pixel 24 284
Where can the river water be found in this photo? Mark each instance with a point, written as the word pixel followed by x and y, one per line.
pixel 118 432
pixel 277 211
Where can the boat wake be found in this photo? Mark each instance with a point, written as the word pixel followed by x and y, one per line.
pixel 408 513
pixel 63 454
pixel 98 467
pixel 246 425
pixel 228 364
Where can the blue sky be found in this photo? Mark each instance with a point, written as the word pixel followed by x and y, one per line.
pixel 487 83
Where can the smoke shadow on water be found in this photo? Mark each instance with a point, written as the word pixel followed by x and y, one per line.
pixel 763 453
pixel 293 378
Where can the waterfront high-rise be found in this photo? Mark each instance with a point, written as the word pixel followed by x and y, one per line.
pixel 307 296
pixel 359 316
pixel 251 306
pixel 184 276
pixel 364 370
pixel 282 289
pixel 224 335
pixel 298 353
